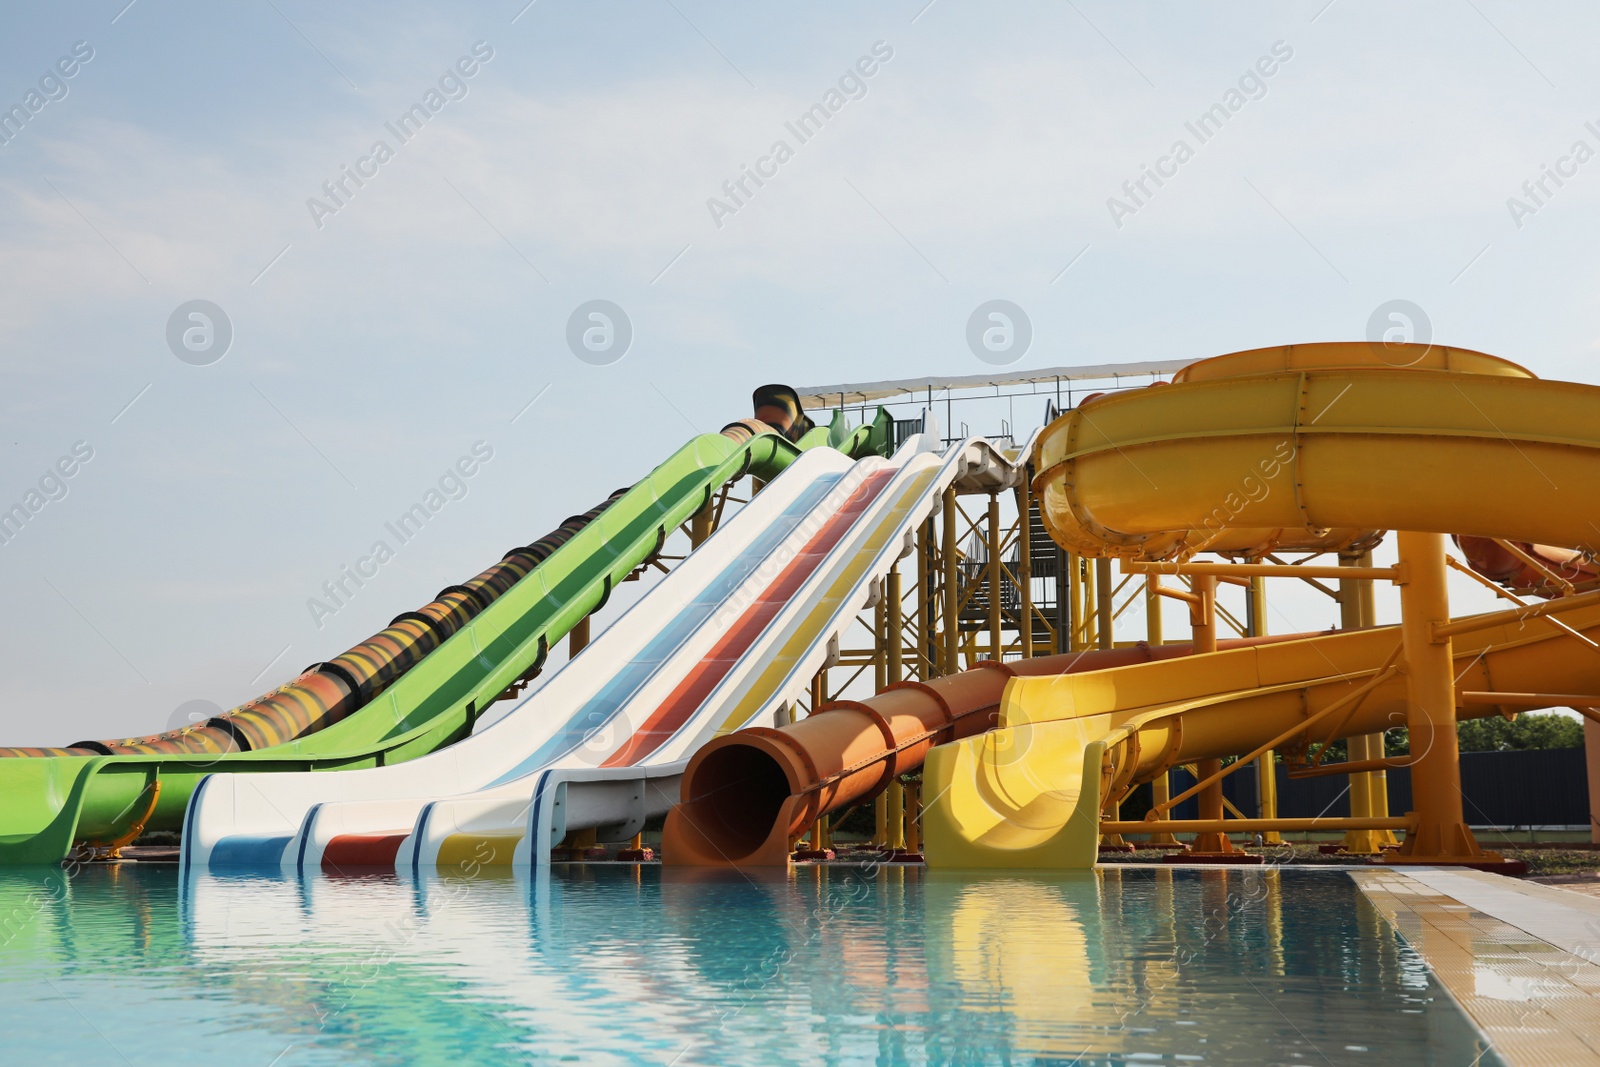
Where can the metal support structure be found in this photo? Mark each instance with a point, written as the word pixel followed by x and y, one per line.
pixel 914 816
pixel 894 796
pixel 578 637
pixel 927 650
pixel 880 673
pixel 894 631
pixel 819 846
pixel 1219 826
pixel 1256 608
pixel 1591 744
pixel 1161 784
pixel 1064 618
pixel 1152 611
pixel 1439 834
pixel 1369 790
pixel 1267 762
pixel 1264 570
pixel 1025 565
pixel 951 550
pixel 996 649
pixel 1203 620
pixel 1105 608
pixel 700 526
pixel 895 816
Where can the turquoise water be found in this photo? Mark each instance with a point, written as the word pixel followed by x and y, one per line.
pixel 617 964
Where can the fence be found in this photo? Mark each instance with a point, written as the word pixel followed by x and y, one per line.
pixel 1543 787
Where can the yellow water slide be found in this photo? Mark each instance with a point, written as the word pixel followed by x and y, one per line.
pixel 1304 447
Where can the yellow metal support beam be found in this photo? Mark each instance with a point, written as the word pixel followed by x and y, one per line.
pixel 1267 762
pixel 1104 603
pixel 1445 629
pixel 1505 594
pixel 701 525
pixel 1161 785
pixel 894 636
pixel 1369 790
pixel 1025 566
pixel 996 650
pixel 1247 826
pixel 952 627
pixel 927 653
pixel 1441 834
pixel 1262 570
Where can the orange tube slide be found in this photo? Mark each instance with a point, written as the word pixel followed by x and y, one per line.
pixel 747 793
pixel 1499 564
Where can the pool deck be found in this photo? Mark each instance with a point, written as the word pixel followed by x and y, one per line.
pixel 1522 959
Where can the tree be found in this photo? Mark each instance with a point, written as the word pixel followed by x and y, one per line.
pixel 1544 730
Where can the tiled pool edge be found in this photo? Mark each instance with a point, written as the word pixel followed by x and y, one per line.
pixel 1521 961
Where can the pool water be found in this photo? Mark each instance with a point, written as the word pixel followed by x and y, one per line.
pixel 623 964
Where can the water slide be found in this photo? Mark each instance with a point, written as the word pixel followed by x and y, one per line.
pixel 1029 794
pixel 731 637
pixel 1261 449
pixel 1302 447
pixel 419 685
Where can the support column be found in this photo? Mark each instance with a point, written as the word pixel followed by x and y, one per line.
pixel 819 846
pixel 1152 611
pixel 1083 574
pixel 952 590
pixel 1440 834
pixel 927 654
pixel 1267 762
pixel 1063 603
pixel 1104 607
pixel 578 637
pixel 1368 791
pixel 1160 793
pixel 1203 616
pixel 997 651
pixel 894 631
pixel 895 817
pixel 700 525
pixel 1591 745
pixel 1204 622
pixel 914 819
pixel 1025 564
pixel 880 675
pixel 1161 784
pixel 894 797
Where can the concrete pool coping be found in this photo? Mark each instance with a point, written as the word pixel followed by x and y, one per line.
pixel 1521 959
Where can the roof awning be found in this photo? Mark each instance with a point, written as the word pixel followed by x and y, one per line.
pixel 863 392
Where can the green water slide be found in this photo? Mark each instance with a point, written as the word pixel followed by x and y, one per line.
pixel 50 804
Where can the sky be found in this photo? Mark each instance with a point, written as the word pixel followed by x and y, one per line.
pixel 383 331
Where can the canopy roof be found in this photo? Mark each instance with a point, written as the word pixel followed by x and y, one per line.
pixel 999 378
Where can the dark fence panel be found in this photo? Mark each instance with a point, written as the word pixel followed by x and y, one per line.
pixel 1547 787
pixel 1544 787
pixel 1540 788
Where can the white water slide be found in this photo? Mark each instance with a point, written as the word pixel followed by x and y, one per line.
pixel 730 638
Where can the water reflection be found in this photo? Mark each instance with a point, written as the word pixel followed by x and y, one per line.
pixel 626 964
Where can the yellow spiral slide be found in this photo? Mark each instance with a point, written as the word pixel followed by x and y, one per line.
pixel 1303 447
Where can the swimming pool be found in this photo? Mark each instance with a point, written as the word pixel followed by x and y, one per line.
pixel 609 963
